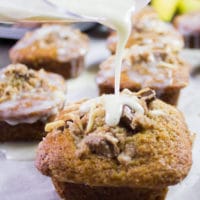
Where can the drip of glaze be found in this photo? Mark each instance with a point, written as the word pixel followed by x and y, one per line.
pixel 114 106
pixel 21 151
pixel 46 107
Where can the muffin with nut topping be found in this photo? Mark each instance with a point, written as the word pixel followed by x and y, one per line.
pixel 147 29
pixel 56 48
pixel 28 100
pixel 147 149
pixel 147 66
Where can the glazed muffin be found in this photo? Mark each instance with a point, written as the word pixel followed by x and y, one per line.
pixel 147 12
pixel 56 48
pixel 145 66
pixel 147 150
pixel 28 100
pixel 189 26
pixel 149 29
pixel 169 42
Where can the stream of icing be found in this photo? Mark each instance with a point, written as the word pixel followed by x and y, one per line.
pixel 116 14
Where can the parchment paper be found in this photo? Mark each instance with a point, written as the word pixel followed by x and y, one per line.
pixel 21 181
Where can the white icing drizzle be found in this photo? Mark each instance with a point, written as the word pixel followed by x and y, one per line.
pixel 113 106
pixel 45 107
pixel 28 120
pixel 69 42
pixel 20 151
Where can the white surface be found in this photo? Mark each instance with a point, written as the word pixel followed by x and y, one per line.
pixel 21 181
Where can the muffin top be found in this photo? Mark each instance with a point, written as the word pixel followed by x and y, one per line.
pixel 146 24
pixel 27 95
pixel 149 147
pixel 53 41
pixel 147 29
pixel 146 66
pixel 188 23
pixel 169 42
pixel 147 12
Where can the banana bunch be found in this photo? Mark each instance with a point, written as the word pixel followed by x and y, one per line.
pixel 167 8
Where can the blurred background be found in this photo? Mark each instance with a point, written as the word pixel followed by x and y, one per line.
pixel 168 9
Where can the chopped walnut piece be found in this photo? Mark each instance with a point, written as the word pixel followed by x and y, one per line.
pixel 126 156
pixel 134 121
pixel 147 95
pixel 75 119
pixel 127 117
pixel 75 131
pixel 124 159
pixel 131 120
pixel 104 144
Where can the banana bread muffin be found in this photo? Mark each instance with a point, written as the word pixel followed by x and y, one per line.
pixel 189 26
pixel 147 150
pixel 149 29
pixel 56 48
pixel 28 99
pixel 145 66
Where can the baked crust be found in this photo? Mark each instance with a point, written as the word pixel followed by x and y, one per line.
pixel 153 151
pixel 56 48
pixel 70 191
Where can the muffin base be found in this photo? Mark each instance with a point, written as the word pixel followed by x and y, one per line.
pixel 170 96
pixel 69 69
pixel 71 191
pixel 21 132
